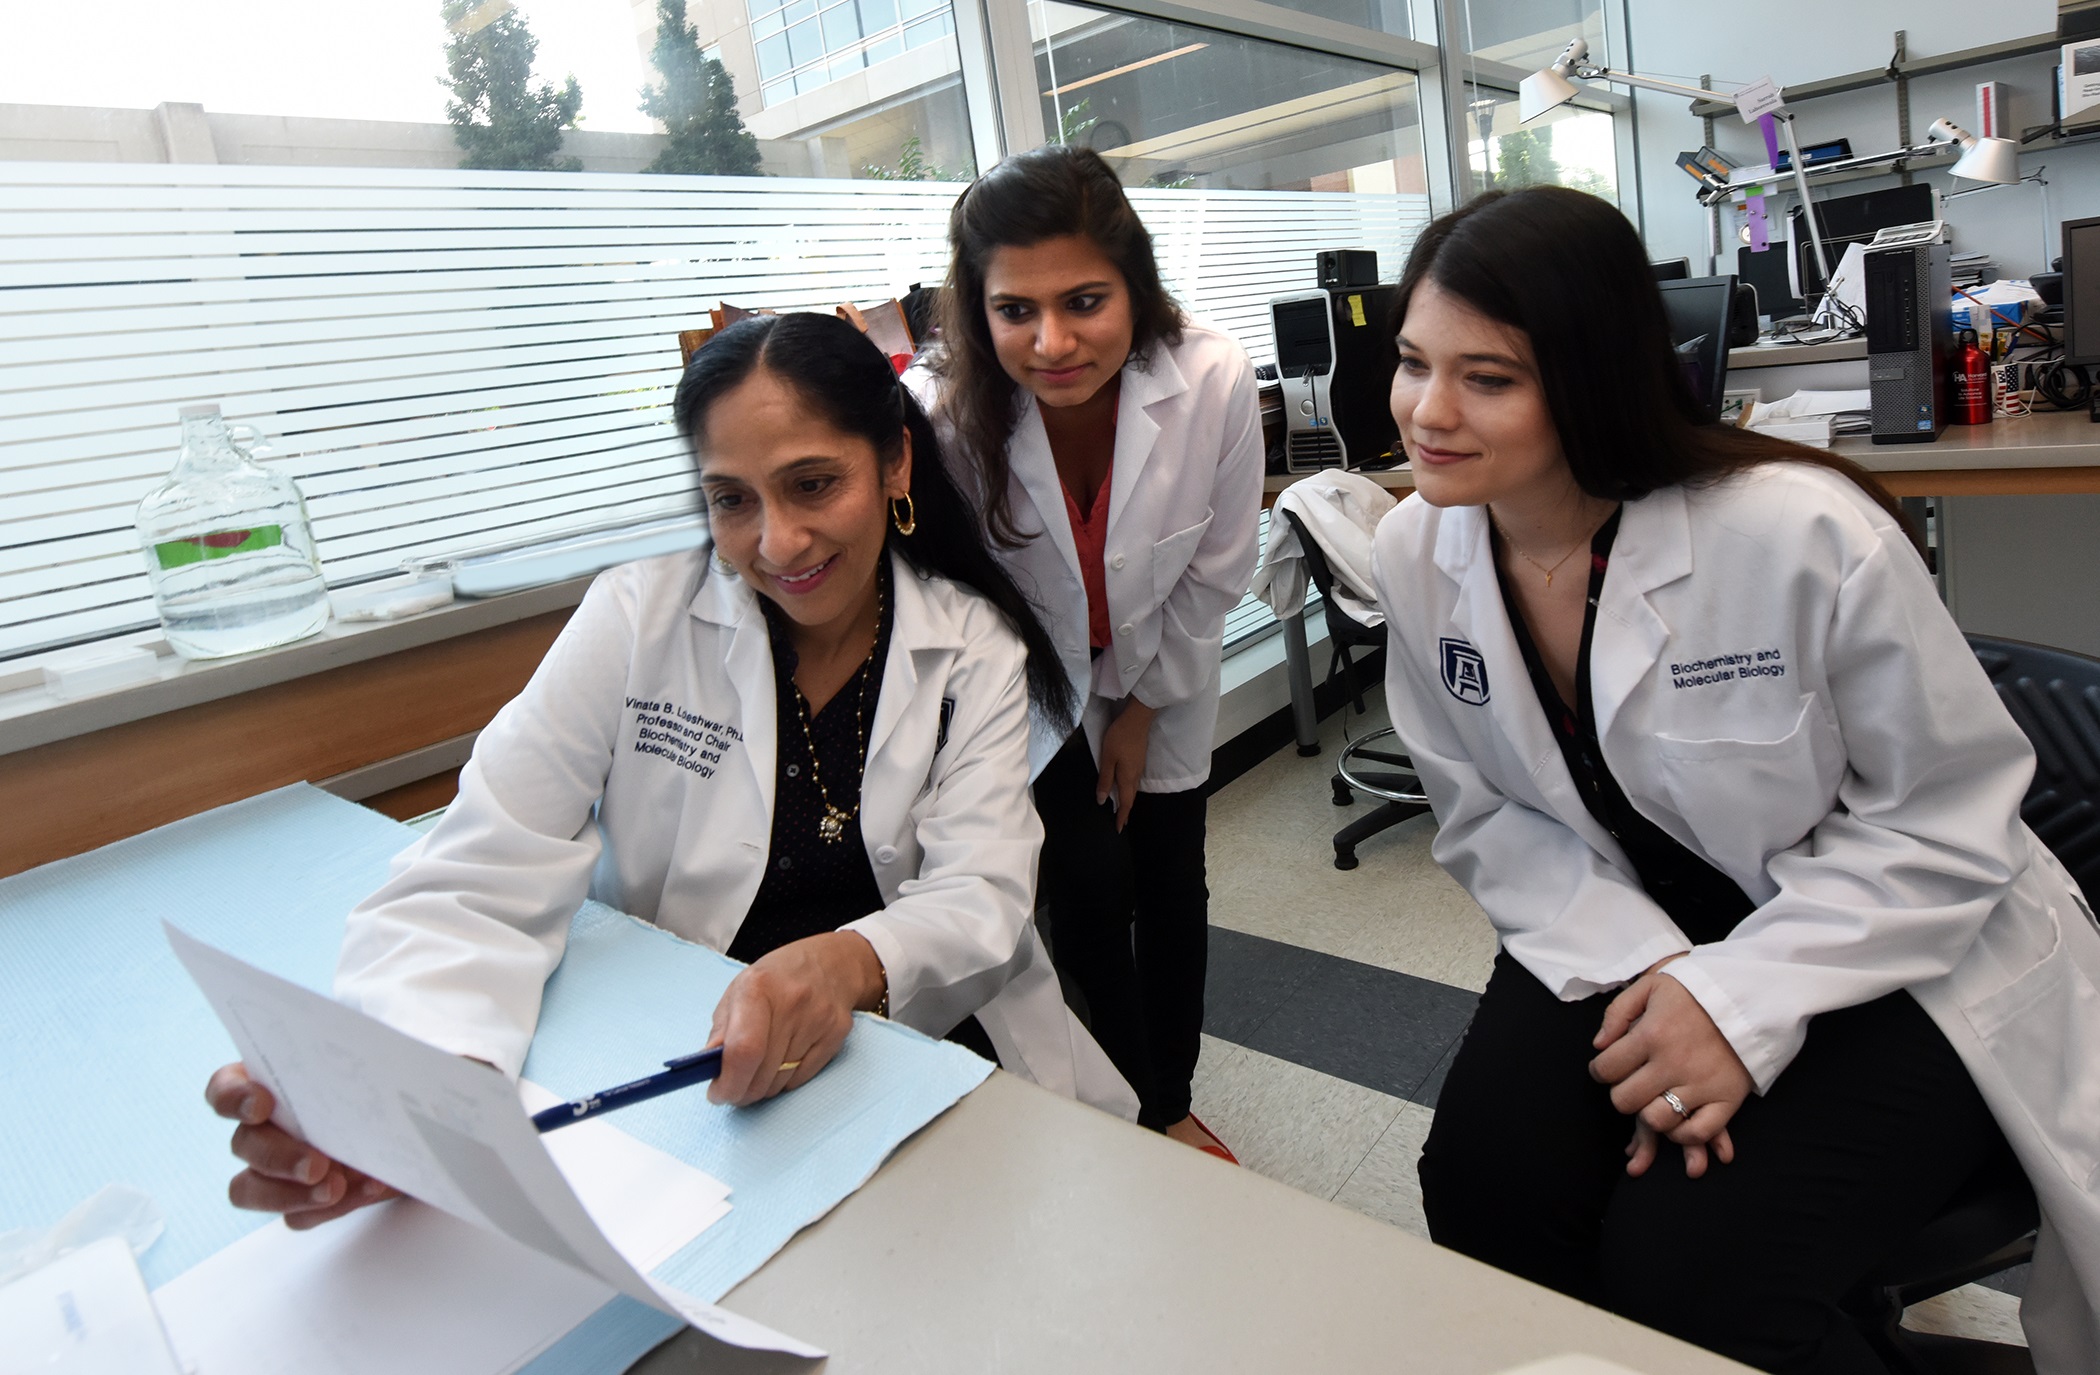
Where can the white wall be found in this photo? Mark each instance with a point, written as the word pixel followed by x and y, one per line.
pixel 1806 40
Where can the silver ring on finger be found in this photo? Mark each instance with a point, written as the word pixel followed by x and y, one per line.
pixel 1676 1104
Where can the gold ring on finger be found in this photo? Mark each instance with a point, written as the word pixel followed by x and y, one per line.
pixel 790 1066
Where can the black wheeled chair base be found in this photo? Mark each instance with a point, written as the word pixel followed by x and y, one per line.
pixel 1371 823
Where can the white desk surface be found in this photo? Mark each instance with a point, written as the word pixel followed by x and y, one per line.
pixel 1023 1233
pixel 2059 439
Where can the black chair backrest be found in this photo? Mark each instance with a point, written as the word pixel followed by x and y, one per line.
pixel 2054 694
pixel 1342 628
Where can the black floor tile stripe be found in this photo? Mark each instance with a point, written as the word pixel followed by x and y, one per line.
pixel 1375 1027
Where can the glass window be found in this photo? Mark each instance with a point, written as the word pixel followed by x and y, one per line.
pixel 799 10
pixel 1567 146
pixel 841 27
pixel 767 24
pixel 913 8
pixel 1527 34
pixel 927 31
pixel 846 65
pixel 806 41
pixel 777 91
pixel 877 15
pixel 1176 105
pixel 773 59
pixel 1384 16
pixel 885 48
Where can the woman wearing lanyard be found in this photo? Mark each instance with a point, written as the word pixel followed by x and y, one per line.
pixel 1114 448
pixel 1781 968
pixel 807 749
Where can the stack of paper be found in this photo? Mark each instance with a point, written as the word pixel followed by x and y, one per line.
pixel 455 1135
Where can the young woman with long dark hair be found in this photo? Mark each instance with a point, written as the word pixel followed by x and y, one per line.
pixel 807 748
pixel 1781 968
pixel 1114 448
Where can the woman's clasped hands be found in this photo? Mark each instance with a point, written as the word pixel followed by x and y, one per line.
pixel 1657 1043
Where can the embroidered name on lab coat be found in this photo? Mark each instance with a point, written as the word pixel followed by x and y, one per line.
pixel 686 738
pixel 1740 667
pixel 1465 672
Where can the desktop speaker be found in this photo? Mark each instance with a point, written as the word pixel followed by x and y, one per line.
pixel 1910 339
pixel 1337 364
pixel 1345 267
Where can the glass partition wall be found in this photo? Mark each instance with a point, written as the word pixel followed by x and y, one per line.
pixel 450 306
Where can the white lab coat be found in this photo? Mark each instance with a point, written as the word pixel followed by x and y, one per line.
pixel 638 767
pixel 1341 512
pixel 1860 781
pixel 1183 505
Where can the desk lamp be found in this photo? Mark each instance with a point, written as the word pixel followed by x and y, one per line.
pixel 1993 160
pixel 1544 90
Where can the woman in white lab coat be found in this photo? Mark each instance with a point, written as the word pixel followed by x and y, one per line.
pixel 1781 968
pixel 1115 450
pixel 808 749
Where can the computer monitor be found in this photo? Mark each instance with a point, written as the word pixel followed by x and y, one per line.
pixel 1768 274
pixel 1699 309
pixel 2081 284
pixel 1671 269
pixel 1852 219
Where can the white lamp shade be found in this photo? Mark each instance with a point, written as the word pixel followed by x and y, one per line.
pixel 1540 92
pixel 1992 160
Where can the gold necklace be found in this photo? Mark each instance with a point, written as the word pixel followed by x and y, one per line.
pixel 1549 572
pixel 831 827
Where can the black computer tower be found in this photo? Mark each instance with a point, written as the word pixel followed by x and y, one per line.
pixel 1910 336
pixel 1337 364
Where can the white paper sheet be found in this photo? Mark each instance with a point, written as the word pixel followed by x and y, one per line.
pixel 648 1202
pixel 399 1288
pixel 85 1313
pixel 441 1129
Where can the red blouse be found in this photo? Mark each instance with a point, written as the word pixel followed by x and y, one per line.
pixel 1090 535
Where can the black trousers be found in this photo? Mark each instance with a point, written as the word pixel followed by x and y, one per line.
pixel 1129 923
pixel 1863 1138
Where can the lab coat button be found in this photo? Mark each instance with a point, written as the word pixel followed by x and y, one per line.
pixel 886 854
pixel 1125 629
pixel 1117 562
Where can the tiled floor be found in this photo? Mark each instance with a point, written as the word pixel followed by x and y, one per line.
pixel 1336 998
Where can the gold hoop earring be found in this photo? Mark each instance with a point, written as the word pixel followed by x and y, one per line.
pixel 909 521
pixel 722 566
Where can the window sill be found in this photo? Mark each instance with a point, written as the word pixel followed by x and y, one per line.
pixel 32 715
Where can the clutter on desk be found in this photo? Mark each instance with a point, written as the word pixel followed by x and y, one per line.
pixel 90 670
pixel 72 1300
pixel 229 550
pixel 86 1312
pixel 1811 417
pixel 390 599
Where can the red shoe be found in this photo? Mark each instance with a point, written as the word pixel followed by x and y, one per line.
pixel 1216 1147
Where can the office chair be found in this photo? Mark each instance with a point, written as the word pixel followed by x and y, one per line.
pixel 1380 773
pixel 2054 695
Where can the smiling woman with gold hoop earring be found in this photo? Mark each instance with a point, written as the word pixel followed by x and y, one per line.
pixel 806 747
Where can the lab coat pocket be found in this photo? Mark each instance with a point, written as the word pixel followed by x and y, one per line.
pixel 2031 1028
pixel 1170 556
pixel 1746 800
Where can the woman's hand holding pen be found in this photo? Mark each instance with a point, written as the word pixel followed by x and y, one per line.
pixel 283 1174
pixel 1657 1040
pixel 781 1020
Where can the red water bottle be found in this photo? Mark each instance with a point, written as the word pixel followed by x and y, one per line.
pixel 1969 386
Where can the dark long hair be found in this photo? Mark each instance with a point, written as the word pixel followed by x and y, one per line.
pixel 1569 270
pixel 1045 194
pixel 842 376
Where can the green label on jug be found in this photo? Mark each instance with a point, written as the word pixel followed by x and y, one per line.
pixel 176 553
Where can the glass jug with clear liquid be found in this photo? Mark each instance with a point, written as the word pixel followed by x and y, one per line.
pixel 229 549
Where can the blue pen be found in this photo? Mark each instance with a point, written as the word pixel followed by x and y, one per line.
pixel 675 1075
